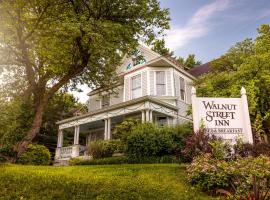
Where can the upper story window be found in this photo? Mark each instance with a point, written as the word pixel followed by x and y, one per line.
pixel 160 83
pixel 182 89
pixel 136 88
pixel 105 101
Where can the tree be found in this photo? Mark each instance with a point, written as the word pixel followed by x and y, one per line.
pixel 159 47
pixel 246 64
pixel 60 43
pixel 190 61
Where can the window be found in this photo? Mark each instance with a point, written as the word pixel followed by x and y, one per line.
pixel 136 86
pixel 160 83
pixel 105 101
pixel 182 89
pixel 162 121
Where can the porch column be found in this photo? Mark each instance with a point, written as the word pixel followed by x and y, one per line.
pixel 109 136
pixel 143 115
pixel 59 144
pixel 151 116
pixel 60 138
pixel 76 146
pixel 147 118
pixel 105 129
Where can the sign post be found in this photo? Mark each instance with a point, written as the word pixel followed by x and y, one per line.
pixel 227 118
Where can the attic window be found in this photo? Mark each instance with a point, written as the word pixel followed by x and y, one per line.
pixel 105 101
pixel 160 83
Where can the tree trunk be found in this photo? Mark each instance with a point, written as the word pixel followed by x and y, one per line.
pixel 21 147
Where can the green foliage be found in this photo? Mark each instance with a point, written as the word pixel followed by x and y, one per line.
pixel 148 140
pixel 155 181
pixel 246 64
pixel 103 148
pixel 220 149
pixel 35 155
pixel 124 160
pixel 241 178
pixel 159 47
pixel 121 131
pixel 204 171
pixel 143 140
pixel 189 62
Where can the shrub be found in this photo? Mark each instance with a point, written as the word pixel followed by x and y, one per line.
pixel 104 148
pixel 196 144
pixel 123 160
pixel 35 155
pixel 123 130
pixel 148 140
pixel 245 149
pixel 208 173
pixel 220 149
pixel 100 161
pixel 240 178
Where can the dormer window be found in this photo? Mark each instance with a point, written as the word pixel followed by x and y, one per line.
pixel 182 89
pixel 136 88
pixel 105 101
pixel 160 83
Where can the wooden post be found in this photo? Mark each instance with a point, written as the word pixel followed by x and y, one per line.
pixel 247 127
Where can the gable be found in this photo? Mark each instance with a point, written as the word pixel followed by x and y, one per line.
pixel 142 55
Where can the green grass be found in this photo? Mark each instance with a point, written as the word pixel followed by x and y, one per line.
pixel 145 181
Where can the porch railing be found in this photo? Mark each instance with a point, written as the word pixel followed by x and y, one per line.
pixel 66 152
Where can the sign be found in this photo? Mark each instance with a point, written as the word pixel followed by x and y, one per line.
pixel 227 118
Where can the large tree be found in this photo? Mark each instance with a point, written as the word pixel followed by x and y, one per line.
pixel 60 43
pixel 246 64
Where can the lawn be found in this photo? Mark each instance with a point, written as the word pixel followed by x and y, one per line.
pixel 148 181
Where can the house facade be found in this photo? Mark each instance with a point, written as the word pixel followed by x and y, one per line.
pixel 153 89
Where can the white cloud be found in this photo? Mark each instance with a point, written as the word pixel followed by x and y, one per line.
pixel 196 27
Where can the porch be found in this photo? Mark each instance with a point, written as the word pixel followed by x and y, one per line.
pixel 100 124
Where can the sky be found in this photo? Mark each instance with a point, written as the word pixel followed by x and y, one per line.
pixel 208 28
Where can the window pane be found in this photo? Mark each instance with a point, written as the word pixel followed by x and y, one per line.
pixel 182 89
pixel 105 101
pixel 160 77
pixel 136 86
pixel 161 90
pixel 136 81
pixel 136 93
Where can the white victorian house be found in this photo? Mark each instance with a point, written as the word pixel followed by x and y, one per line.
pixel 154 89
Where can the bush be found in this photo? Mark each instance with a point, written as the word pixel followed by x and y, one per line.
pixel 148 140
pixel 123 160
pixel 101 161
pixel 245 149
pixel 208 173
pixel 104 148
pixel 197 144
pixel 240 178
pixel 123 130
pixel 35 155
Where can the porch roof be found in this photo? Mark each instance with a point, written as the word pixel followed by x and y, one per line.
pixel 121 105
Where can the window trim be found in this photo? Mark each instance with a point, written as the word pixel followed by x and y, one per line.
pixel 165 82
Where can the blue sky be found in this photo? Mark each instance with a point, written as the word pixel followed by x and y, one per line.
pixel 209 28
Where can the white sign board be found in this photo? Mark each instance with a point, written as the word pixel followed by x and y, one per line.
pixel 227 118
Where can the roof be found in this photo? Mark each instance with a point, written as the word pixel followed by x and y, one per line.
pixel 200 70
